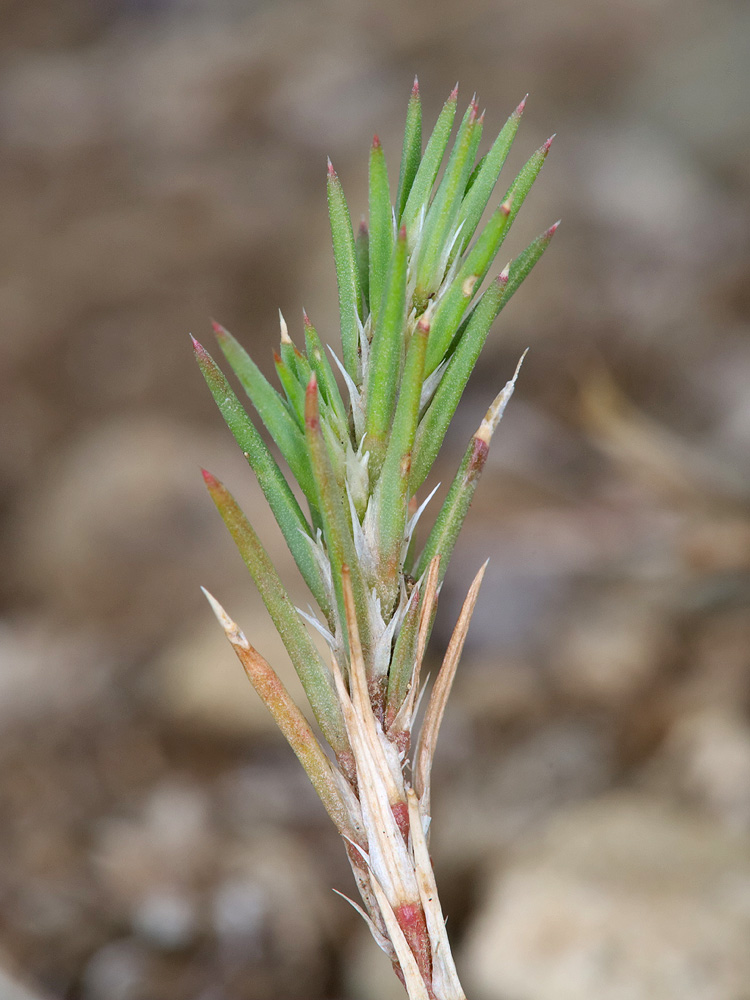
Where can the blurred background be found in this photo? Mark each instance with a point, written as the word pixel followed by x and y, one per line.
pixel 163 162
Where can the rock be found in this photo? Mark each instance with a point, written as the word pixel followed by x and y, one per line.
pixel 706 758
pixel 166 918
pixel 273 902
pixel 495 805
pixel 11 988
pixel 161 853
pixel 117 971
pixel 622 899
pixel 240 914
pixel 120 528
pixel 49 672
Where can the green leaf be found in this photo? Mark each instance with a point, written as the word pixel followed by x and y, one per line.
pixel 521 266
pixel 464 355
pixel 392 493
pixel 347 273
pixel 337 529
pixel 310 668
pixel 456 506
pixel 286 370
pixel 271 409
pixel 386 353
pixel 287 349
pixel 412 150
pixel 474 174
pixel 455 301
pixel 482 182
pixel 336 452
pixel 402 661
pixel 439 413
pixel 322 368
pixel 440 222
pixel 528 173
pixel 381 226
pixel 281 500
pixel 429 166
pixel 362 256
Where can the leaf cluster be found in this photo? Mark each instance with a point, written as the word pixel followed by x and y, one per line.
pixel 359 433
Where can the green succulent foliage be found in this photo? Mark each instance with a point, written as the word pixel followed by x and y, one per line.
pixel 415 312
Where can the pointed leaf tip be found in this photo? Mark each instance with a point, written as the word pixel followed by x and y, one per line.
pixel 331 171
pixel 522 105
pixel 376 144
pixel 209 479
pixel 232 630
pixel 552 230
pixel 216 607
pixel 548 143
pixel 415 88
pixel 217 328
pixel 453 96
pixel 497 408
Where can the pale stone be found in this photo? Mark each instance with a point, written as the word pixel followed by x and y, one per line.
pixel 620 899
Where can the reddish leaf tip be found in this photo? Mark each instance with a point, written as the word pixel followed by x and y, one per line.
pixel 522 105
pixel 415 88
pixel 402 233
pixel 424 325
pixel 305 317
pixel 506 206
pixel 376 141
pixel 552 230
pixel 453 96
pixel 218 329
pixel 209 479
pixel 276 358
pixel 331 171
pixel 312 385
pixel 502 278
pixel 548 143
pixel 363 228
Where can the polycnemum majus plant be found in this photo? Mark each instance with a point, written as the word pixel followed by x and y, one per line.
pixel 415 311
